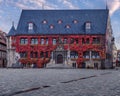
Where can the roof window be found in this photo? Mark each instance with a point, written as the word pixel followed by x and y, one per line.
pixel 88 25
pixel 60 21
pixel 75 21
pixel 51 26
pixel 30 26
pixel 67 26
pixel 44 21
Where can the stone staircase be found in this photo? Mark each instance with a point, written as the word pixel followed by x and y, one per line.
pixel 58 66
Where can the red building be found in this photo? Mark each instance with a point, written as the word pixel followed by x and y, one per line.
pixel 61 38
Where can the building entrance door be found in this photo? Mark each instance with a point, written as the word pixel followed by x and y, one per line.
pixel 59 59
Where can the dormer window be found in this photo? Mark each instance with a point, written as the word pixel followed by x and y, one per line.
pixel 88 25
pixel 59 21
pixel 75 21
pixel 67 26
pixel 44 22
pixel 51 26
pixel 30 26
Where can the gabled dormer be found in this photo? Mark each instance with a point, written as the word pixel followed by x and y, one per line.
pixel 87 26
pixel 31 27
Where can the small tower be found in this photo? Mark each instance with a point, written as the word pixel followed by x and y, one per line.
pixel 10 49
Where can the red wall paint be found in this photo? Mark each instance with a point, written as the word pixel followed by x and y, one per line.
pixel 80 48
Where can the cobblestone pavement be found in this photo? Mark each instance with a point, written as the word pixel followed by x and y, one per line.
pixel 59 82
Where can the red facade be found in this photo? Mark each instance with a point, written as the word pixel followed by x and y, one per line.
pixel 79 43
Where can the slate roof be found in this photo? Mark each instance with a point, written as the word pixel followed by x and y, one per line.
pixel 98 19
pixel 12 31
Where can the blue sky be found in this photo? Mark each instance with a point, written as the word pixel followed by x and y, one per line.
pixel 10 10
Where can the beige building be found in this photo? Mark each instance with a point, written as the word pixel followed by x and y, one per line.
pixel 114 54
pixel 3 61
pixel 118 58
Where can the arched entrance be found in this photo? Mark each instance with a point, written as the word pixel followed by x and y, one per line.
pixel 59 59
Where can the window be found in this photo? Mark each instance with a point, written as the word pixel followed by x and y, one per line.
pixel 67 26
pixel 41 55
pixel 23 54
pixel 65 41
pixel 34 41
pixel 73 54
pixel 88 25
pixel 96 40
pixel 23 41
pixel 95 54
pixel 46 41
pixel 75 21
pixel 85 41
pixel 76 40
pixel 33 54
pixel 54 41
pixel 86 54
pixel 46 54
pixel 59 21
pixel 108 56
pixel 44 21
pixel 30 26
pixel 42 41
pixel 72 41
pixel 51 26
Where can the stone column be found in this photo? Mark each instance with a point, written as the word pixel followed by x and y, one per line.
pixel 91 62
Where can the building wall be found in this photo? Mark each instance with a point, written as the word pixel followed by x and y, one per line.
pixel 118 58
pixel 109 45
pixel 10 53
pixel 80 45
pixel 3 61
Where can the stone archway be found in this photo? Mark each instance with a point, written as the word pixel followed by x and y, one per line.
pixel 59 59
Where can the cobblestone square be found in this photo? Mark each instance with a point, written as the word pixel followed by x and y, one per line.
pixel 59 82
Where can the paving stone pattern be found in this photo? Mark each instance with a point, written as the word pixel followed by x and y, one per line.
pixel 59 82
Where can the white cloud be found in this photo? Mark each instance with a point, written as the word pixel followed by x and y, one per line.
pixel 89 4
pixel 38 3
pixel 115 25
pixel 4 27
pixel 21 6
pixel 1 11
pixel 117 42
pixel 114 5
pixel 33 4
pixel 1 1
pixel 68 4
pixel 43 4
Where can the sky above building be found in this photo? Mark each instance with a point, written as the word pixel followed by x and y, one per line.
pixel 10 11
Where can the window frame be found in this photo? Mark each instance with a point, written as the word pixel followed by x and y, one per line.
pixel 34 41
pixel 54 41
pixel 23 54
pixel 60 21
pixel 23 41
pixel 30 26
pixel 96 40
pixel 88 25
pixel 42 41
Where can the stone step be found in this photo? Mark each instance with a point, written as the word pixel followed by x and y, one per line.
pixel 58 66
